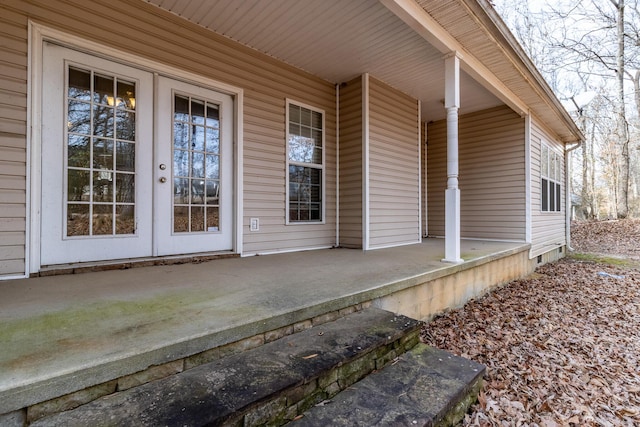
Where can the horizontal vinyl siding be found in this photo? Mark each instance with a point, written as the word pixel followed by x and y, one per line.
pixel 351 164
pixel 491 175
pixel 147 31
pixel 394 172
pixel 13 147
pixel 547 228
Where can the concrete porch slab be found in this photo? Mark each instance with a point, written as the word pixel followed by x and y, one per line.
pixel 65 333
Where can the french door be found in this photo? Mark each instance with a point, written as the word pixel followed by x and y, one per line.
pixel 132 164
pixel 193 169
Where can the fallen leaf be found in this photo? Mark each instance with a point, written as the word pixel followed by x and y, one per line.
pixel 561 346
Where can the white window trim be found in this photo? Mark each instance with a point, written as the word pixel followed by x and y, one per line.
pixel 322 167
pixel 550 150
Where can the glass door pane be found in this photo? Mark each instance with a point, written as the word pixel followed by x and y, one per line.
pixel 196 165
pixel 101 148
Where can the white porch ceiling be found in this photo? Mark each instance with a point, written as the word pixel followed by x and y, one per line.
pixel 337 40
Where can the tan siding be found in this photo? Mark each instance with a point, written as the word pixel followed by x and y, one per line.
pixel 351 164
pixel 491 175
pixel 394 172
pixel 13 126
pixel 144 30
pixel 547 228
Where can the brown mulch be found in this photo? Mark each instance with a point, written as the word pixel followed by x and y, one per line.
pixel 562 347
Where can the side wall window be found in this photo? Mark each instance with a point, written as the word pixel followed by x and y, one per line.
pixel 305 163
pixel 551 179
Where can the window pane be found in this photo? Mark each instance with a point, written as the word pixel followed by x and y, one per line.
pixel 125 219
pixel 103 121
pixel 79 117
pixel 103 90
pixel 544 191
pixel 197 112
pixel 544 160
pixel 78 152
pixel 197 191
pixel 126 95
pixel 102 220
pixel 77 220
pixel 125 125
pixel 212 140
pixel 316 120
pixel 213 192
pixel 103 186
pixel 102 154
pixel 305 193
pixel 558 197
pixel 125 188
pixel 305 117
pixel 552 197
pixel 294 113
pixel 125 156
pixel 181 163
pixel 180 219
pixel 197 170
pixel 197 218
pixel 78 185
pixel 213 219
pixel 79 84
pixel 181 135
pixel 197 143
pixel 213 166
pixel 181 109
pixel 213 116
pixel 301 149
pixel 180 191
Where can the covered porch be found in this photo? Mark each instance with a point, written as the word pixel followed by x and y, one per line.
pixel 66 333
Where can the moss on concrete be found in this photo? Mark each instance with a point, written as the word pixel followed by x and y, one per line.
pixel 605 259
pixel 69 326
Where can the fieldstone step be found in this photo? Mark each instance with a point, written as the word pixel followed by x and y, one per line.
pixel 424 387
pixel 268 385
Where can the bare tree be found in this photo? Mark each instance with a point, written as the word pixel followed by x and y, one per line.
pixel 591 45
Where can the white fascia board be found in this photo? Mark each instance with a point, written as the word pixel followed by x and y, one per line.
pixel 429 29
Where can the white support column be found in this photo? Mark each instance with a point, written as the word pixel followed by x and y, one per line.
pixel 452 193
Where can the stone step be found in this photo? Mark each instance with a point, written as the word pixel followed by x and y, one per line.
pixel 271 384
pixel 424 387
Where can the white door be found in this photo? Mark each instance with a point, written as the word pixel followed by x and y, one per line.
pixel 193 169
pixel 96 151
pixel 127 176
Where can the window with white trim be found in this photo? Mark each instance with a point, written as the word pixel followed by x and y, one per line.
pixel 551 179
pixel 305 163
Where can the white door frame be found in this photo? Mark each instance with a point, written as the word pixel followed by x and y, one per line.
pixel 37 35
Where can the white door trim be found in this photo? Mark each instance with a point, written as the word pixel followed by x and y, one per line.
pixel 37 35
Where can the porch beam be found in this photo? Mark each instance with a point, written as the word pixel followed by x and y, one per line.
pixel 428 28
pixel 452 193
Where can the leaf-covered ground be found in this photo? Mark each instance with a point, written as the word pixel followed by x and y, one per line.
pixel 562 347
pixel 618 238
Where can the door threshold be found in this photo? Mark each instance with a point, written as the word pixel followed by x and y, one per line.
pixel 124 264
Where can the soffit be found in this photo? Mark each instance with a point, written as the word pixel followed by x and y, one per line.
pixel 477 27
pixel 337 40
